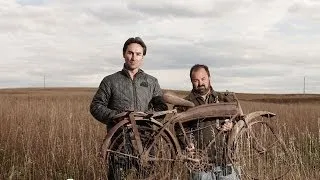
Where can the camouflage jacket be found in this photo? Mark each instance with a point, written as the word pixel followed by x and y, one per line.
pixel 118 92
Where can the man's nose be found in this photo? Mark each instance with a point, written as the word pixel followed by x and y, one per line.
pixel 133 57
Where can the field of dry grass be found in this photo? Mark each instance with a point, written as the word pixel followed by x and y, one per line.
pixel 50 134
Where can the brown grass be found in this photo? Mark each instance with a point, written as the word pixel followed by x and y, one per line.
pixel 50 134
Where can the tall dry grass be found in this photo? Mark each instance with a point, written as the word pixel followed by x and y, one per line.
pixel 49 137
pixel 299 125
pixel 49 134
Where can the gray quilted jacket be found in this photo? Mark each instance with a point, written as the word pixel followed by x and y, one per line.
pixel 118 92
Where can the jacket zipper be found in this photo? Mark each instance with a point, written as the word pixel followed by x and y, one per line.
pixel 134 94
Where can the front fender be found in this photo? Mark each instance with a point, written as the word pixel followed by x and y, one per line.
pixel 249 117
pixel 243 123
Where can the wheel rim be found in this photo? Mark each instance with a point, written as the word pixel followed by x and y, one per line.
pixel 124 161
pixel 261 153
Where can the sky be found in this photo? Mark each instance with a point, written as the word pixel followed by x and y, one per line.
pixel 251 46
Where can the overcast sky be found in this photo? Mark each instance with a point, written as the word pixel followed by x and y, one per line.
pixel 258 46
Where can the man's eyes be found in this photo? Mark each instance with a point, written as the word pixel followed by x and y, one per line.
pixel 196 80
pixel 132 53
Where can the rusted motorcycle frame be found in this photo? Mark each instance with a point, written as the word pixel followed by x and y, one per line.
pixel 139 140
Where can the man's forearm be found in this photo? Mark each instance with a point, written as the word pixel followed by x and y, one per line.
pixel 102 113
pixel 159 104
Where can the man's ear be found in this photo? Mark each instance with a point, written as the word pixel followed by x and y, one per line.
pixel 210 82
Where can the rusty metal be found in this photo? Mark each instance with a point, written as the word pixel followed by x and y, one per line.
pixel 197 160
pixel 136 133
pixel 256 114
pixel 230 111
pixel 207 111
pixel 173 99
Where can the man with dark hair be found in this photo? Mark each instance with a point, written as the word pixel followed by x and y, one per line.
pixel 202 130
pixel 130 89
pixel 196 67
pixel 136 40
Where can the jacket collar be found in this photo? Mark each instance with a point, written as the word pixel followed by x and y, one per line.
pixel 126 72
pixel 195 95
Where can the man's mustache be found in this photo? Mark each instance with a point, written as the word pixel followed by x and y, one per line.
pixel 201 86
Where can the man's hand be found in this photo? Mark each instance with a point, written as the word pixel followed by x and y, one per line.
pixel 120 116
pixel 227 126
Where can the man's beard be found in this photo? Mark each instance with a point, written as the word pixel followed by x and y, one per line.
pixel 201 90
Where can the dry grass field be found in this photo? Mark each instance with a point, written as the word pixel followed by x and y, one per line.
pixel 50 134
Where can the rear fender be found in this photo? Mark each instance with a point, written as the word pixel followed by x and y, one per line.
pixel 110 133
pixel 113 130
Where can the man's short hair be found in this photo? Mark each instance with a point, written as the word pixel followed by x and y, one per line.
pixel 196 67
pixel 137 40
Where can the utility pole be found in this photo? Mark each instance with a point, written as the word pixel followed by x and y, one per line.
pixel 304 85
pixel 44 81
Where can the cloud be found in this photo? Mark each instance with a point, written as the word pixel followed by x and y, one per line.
pixel 250 46
pixel 308 10
pixel 172 8
pixel 31 2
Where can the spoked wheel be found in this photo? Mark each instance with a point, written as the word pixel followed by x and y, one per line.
pixel 211 150
pixel 124 160
pixel 217 149
pixel 260 152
